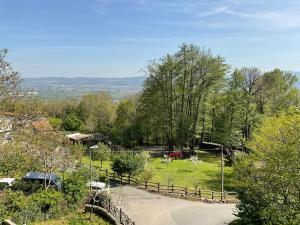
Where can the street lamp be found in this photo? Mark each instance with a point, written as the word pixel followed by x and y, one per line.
pixel 91 148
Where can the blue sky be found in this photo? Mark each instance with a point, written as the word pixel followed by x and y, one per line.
pixel 118 37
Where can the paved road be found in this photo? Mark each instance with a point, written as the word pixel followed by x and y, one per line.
pixel 152 209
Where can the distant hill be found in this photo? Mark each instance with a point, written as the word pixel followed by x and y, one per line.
pixel 62 87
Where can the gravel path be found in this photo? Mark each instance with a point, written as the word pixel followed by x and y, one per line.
pixel 152 209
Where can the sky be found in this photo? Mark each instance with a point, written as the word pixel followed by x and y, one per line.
pixel 111 38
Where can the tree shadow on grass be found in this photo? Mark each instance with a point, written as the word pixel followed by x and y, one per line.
pixel 215 182
pixel 185 171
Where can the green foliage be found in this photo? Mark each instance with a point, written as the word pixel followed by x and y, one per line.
pixel 38 206
pixel 55 122
pixel 74 188
pixel 102 153
pixel 98 112
pixel 72 123
pixel 27 187
pixel 147 174
pixel 128 163
pixel 269 178
pixel 50 203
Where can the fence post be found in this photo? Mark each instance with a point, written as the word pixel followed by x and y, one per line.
pixel 199 193
pixel 185 191
pixel 128 179
pixel 158 187
pixel 121 178
pixel 212 195
pixel 120 216
pixel 172 186
pixel 146 184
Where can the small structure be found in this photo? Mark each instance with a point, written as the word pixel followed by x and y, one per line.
pixel 41 177
pixel 79 137
pixel 41 125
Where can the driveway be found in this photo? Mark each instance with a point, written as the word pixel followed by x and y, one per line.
pixel 152 209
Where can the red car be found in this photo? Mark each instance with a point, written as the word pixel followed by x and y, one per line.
pixel 176 155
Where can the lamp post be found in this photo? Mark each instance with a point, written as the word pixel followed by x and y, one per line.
pixel 222 174
pixel 92 147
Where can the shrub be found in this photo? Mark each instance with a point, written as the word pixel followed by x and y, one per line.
pixel 128 163
pixel 55 122
pixel 74 188
pixel 72 123
pixel 26 186
pixel 50 203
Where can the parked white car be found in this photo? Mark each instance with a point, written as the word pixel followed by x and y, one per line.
pixel 7 181
pixel 98 187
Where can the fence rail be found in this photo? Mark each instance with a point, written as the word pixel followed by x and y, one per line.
pixel 117 213
pixel 172 190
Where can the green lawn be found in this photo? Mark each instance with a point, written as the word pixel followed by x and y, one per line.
pixel 184 173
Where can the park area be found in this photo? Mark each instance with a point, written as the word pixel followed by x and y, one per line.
pixel 204 174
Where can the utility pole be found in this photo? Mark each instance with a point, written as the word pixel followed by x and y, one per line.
pixel 222 174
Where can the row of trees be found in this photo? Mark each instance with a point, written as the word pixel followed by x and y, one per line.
pixel 188 97
pixel 193 96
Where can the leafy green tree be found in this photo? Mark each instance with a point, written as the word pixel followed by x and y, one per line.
pixel 72 123
pixel 98 112
pixel 128 163
pixel 269 178
pixel 101 153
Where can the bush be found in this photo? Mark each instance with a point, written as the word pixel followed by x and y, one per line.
pixel 50 203
pixel 128 163
pixel 16 206
pixel 74 188
pixel 55 122
pixel 27 187
pixel 72 123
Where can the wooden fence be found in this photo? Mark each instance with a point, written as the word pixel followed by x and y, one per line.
pixel 174 191
pixel 117 213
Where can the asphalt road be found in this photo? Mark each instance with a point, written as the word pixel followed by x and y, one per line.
pixel 152 209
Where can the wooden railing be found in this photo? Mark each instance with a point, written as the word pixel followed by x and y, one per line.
pixel 116 212
pixel 172 190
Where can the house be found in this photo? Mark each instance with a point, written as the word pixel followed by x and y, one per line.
pixel 41 177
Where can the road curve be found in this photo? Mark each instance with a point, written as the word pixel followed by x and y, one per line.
pixel 152 209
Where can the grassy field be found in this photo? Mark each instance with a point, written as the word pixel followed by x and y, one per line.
pixel 75 219
pixel 184 173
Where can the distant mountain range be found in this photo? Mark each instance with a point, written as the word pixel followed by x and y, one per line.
pixel 62 87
